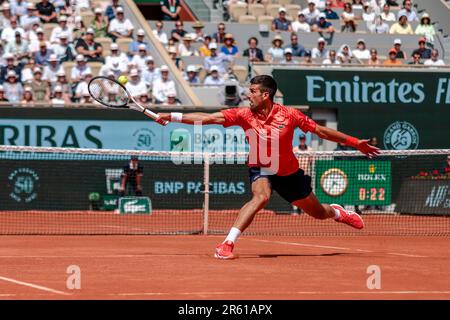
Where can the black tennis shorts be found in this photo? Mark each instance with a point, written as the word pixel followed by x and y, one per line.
pixel 293 187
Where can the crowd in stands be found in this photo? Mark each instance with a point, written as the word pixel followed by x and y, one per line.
pixel 50 50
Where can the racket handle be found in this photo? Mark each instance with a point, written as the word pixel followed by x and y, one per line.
pixel 155 117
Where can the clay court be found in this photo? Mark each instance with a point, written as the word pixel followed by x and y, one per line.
pixel 183 266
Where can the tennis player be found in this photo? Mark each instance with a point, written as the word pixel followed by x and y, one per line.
pixel 274 124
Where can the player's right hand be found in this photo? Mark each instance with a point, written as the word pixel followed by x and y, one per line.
pixel 164 116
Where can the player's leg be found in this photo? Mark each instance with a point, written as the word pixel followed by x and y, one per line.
pixel 261 192
pixel 314 208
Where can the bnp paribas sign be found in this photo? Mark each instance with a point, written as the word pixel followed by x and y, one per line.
pixel 338 87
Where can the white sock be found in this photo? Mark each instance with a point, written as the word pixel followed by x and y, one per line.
pixel 233 235
pixel 337 214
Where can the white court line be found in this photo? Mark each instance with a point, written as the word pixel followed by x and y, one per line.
pixel 27 284
pixel 7 295
pixel 338 248
pixel 279 293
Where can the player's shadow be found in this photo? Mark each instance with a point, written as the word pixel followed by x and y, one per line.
pixel 279 255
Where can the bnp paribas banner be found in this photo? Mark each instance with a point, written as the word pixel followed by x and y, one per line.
pixel 353 182
pixel 403 109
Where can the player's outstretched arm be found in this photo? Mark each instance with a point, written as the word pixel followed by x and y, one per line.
pixel 194 117
pixel 337 136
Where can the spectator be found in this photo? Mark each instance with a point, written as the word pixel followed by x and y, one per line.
pixel 297 49
pixel 13 88
pixel 281 23
pixel 62 82
pixel 425 53
pixel 54 38
pixel 80 5
pixel 6 15
pixel 408 11
pixel 46 11
pixel 172 99
pixel 9 33
pixel 446 168
pixel 192 75
pixel 217 59
pixel 86 97
pixel 377 6
pixel 171 9
pixel 100 24
pixel 392 3
pixel 323 26
pixel 19 8
pixel 80 69
pixel 35 42
pixel 186 49
pixel 151 73
pixel 378 26
pixel 64 50
pixel 139 59
pixel 134 47
pixel 311 13
pixel 27 99
pixel 219 36
pixel 59 98
pixel 387 15
pixel 332 58
pixel 176 59
pixel 229 48
pixel 368 15
pixel 2 94
pixel 288 57
pixel 214 78
pixel 82 86
pixel 426 29
pixel 301 25
pixel 163 86
pixel 79 29
pixel 337 4
pixel 40 87
pixel 136 86
pixel 178 33
pixel 401 27
pixel 204 49
pixel 434 60
pixel 144 98
pixel 320 52
pixel 26 74
pixel 52 69
pixel 330 14
pixel 392 61
pixel 253 53
pixel 398 47
pixel 117 60
pixel 416 59
pixel 91 50
pixel 361 51
pixel 120 27
pixel 111 10
pixel 160 34
pixel 348 19
pixel 275 52
pixel 308 58
pixel 345 54
pixel 27 21
pixel 374 60
pixel 19 48
pixel 304 161
pixel 10 66
pixel 357 4
pixel 41 57
pixel 198 30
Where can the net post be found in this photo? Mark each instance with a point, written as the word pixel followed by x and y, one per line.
pixel 206 198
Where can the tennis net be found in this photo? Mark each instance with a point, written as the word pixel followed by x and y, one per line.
pixel 63 191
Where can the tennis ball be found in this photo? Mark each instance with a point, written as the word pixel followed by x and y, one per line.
pixel 123 80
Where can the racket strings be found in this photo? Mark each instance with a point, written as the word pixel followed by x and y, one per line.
pixel 108 92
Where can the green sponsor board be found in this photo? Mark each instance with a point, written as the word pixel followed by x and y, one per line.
pixel 355 182
pixel 135 205
pixel 110 202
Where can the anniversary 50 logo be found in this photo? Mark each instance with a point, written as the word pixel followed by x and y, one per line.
pixel 401 135
pixel 144 139
pixel 23 183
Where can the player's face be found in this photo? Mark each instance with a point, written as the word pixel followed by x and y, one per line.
pixel 256 97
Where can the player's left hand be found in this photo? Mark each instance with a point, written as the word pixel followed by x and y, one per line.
pixel 369 150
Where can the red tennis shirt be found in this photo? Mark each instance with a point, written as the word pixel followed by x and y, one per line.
pixel 270 138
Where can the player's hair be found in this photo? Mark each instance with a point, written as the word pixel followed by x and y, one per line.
pixel 266 84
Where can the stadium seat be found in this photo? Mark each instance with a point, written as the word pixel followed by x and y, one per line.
pixel 105 42
pixel 48 28
pixel 237 10
pixel 272 10
pixel 241 72
pixel 123 43
pixel 95 67
pixel 256 10
pixel 284 3
pixel 87 17
pixel 247 19
pixel 292 10
pixel 267 20
pixel 67 67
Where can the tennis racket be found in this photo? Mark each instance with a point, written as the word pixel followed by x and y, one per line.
pixel 112 94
